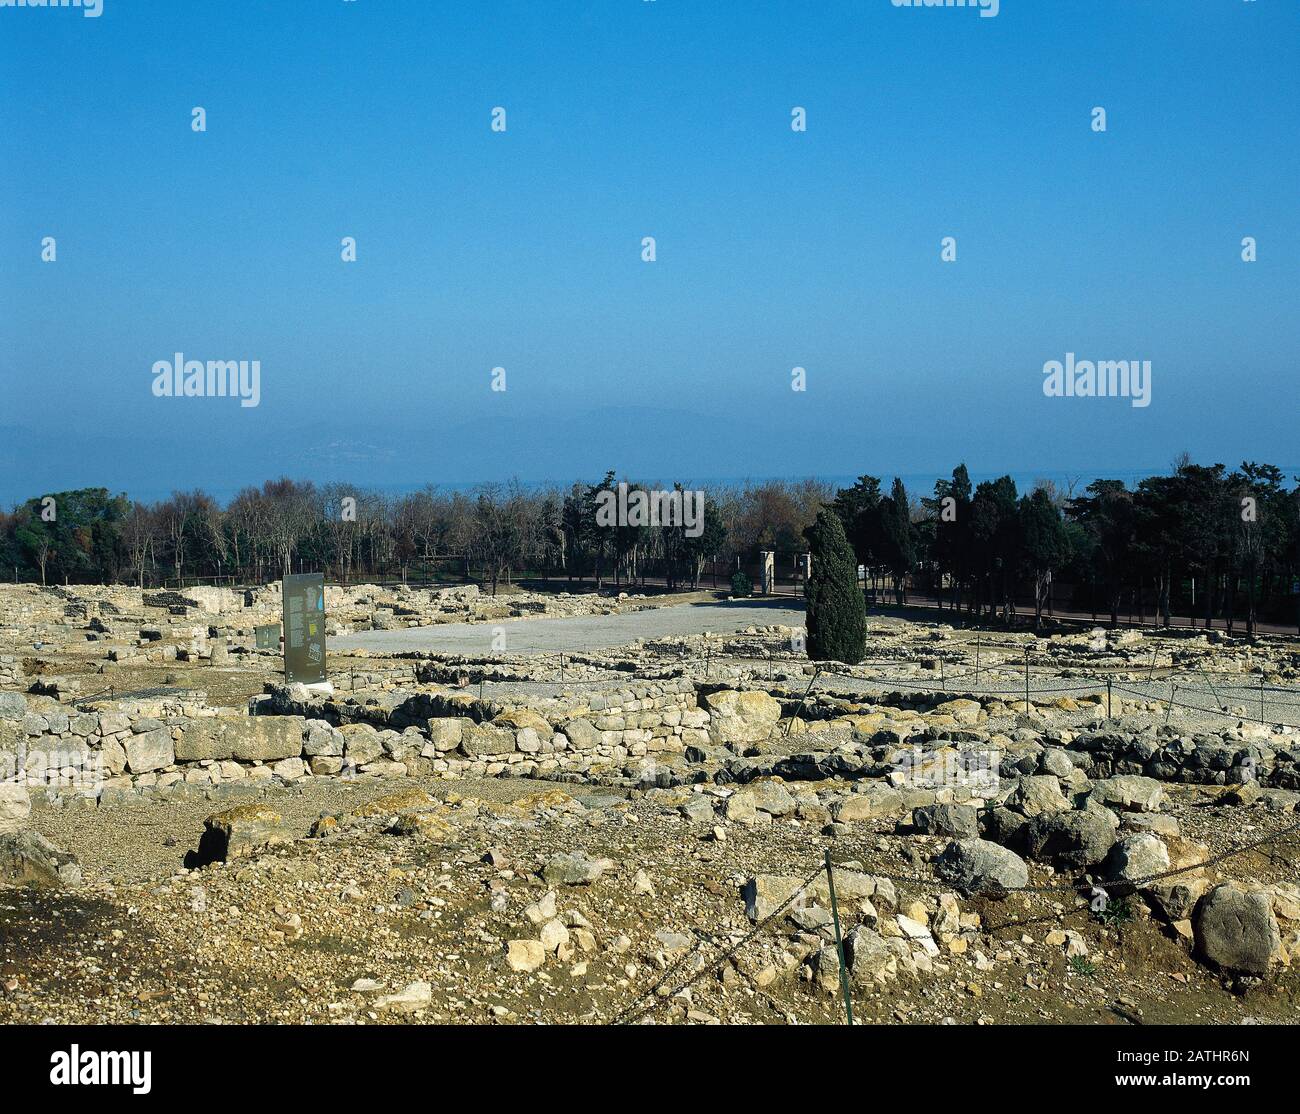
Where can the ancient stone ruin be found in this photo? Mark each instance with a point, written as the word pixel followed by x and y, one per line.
pixel 483 827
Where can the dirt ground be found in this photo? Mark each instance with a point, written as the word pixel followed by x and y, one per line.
pixel 148 940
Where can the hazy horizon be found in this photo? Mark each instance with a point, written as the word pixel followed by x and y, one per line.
pixel 917 483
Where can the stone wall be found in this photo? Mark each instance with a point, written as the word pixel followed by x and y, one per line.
pixel 206 600
pixel 11 672
pixel 1198 759
pixel 634 732
pixel 162 744
pixel 157 743
pixel 469 737
pixel 375 675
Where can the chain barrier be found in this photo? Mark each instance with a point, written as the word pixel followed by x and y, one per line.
pixel 631 1014
pixel 1127 885
pixel 634 1011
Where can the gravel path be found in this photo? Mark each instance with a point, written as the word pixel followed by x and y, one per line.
pixel 576 634
pixel 1205 697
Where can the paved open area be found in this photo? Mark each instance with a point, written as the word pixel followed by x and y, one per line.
pixel 571 635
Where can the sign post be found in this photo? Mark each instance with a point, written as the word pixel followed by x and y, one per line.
pixel 304 628
pixel 767 572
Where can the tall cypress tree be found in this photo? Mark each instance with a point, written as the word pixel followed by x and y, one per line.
pixel 837 617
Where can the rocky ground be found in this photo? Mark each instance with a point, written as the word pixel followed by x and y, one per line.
pixel 995 860
pixel 516 902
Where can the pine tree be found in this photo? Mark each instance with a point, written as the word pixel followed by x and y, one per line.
pixel 836 619
pixel 1045 544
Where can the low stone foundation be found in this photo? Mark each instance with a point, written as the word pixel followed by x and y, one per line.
pixel 1197 759
pixel 11 672
pixel 295 733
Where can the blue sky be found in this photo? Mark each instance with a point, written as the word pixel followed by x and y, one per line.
pixel 632 118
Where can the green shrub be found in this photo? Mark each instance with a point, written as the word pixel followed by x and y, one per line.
pixel 740 584
pixel 1081 965
pixel 837 614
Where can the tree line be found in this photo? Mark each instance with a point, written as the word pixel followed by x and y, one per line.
pixel 1199 540
pixel 493 532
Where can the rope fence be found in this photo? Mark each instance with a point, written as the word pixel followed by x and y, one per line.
pixel 632 1013
pixel 649 1000
pixel 953 686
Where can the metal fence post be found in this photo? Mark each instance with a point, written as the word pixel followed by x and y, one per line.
pixel 839 941
pixel 1026 680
